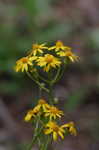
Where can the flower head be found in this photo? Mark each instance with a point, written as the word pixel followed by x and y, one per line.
pixel 48 61
pixel 24 63
pixel 31 113
pixel 36 48
pixel 53 112
pixel 72 57
pixel 71 128
pixel 54 129
pixel 59 46
pixel 42 104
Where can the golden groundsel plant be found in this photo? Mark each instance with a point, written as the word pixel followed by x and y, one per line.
pixel 45 66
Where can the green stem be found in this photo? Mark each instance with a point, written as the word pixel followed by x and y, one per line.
pixel 37 82
pixel 39 143
pixel 51 97
pixel 42 78
pixel 32 143
pixel 57 75
pixel 35 137
pixel 44 146
pixel 61 73
pixel 40 92
pixel 57 78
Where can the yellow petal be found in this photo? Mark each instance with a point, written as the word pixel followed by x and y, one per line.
pixel 65 125
pixel 51 48
pixel 47 131
pixel 73 131
pixel 26 67
pixel 58 115
pixel 54 136
pixel 27 117
pixel 71 58
pixel 61 135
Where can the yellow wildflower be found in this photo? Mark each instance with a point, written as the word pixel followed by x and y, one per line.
pixel 56 130
pixel 24 63
pixel 69 55
pixel 31 113
pixel 59 46
pixel 48 61
pixel 36 48
pixel 53 112
pixel 71 128
pixel 42 104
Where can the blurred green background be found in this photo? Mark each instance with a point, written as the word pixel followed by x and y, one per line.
pixel 76 23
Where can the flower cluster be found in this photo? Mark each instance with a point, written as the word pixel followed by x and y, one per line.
pixel 45 66
pixel 47 116
pixel 46 58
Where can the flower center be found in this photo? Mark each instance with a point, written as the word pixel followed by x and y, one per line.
pixel 55 128
pixel 69 53
pixel 35 110
pixel 42 101
pixel 36 46
pixel 54 110
pixel 49 58
pixel 59 44
pixel 24 60
pixel 30 112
